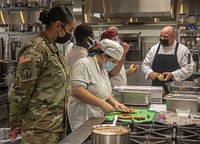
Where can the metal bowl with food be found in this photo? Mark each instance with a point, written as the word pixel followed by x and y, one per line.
pixel 109 134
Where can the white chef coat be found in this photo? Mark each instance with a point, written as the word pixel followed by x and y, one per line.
pixel 86 73
pixel 185 70
pixel 120 79
pixel 75 54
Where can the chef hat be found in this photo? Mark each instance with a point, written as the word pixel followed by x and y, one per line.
pixel 112 48
pixel 108 34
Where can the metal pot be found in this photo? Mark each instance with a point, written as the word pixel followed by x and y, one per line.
pixel 24 27
pixel 32 3
pixel 110 134
pixel 36 28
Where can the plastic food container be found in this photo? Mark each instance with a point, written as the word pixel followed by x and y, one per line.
pixel 166 114
pixel 182 112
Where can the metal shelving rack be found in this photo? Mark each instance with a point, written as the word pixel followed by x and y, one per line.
pixel 12 15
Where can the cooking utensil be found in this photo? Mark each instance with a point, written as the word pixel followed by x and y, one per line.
pixel 115 120
pixel 110 134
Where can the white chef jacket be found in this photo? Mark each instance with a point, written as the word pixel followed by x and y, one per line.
pixel 120 79
pixel 75 54
pixel 86 73
pixel 185 70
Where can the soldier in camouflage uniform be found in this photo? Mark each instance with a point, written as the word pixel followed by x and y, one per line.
pixel 38 97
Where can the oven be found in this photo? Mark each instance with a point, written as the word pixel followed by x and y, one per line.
pixel 134 42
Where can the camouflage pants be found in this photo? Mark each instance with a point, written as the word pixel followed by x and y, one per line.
pixel 35 137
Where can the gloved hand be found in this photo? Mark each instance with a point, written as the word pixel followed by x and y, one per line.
pixel 14 133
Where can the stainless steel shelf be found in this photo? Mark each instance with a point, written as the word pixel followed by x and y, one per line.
pixel 8 61
pixel 23 8
pixel 19 33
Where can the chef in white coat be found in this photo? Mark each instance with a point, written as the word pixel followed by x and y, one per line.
pixel 168 57
pixel 91 86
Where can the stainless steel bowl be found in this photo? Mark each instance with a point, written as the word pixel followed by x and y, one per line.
pixel 186 86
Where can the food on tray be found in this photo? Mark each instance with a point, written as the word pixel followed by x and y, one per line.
pixel 131 110
pixel 148 115
pixel 139 118
pixel 125 116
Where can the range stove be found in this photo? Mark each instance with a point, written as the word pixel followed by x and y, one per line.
pixel 161 133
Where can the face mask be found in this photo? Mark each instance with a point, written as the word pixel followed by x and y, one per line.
pixel 91 42
pixel 62 40
pixel 164 42
pixel 109 66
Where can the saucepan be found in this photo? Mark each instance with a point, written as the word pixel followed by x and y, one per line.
pixel 36 28
pixel 24 27
pixel 110 133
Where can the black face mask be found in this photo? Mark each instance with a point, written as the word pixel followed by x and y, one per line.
pixel 164 42
pixel 62 40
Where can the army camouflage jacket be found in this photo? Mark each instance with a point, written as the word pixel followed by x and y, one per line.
pixel 38 97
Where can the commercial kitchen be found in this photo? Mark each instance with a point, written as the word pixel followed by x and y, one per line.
pixel 172 119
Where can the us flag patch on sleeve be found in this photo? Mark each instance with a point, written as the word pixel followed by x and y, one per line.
pixel 25 58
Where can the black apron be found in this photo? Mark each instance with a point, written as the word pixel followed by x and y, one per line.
pixel 164 63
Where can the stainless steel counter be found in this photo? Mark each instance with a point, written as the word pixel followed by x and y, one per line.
pixel 79 135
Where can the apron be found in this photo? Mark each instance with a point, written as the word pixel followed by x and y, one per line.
pixel 164 63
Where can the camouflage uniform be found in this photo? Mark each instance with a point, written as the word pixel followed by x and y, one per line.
pixel 38 97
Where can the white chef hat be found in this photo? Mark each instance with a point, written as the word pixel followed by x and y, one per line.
pixel 112 48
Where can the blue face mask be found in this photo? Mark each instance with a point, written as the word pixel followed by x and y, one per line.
pixel 91 42
pixel 109 66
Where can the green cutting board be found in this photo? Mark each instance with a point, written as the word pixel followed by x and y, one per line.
pixel 136 113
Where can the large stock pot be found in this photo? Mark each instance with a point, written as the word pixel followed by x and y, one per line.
pixel 110 134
